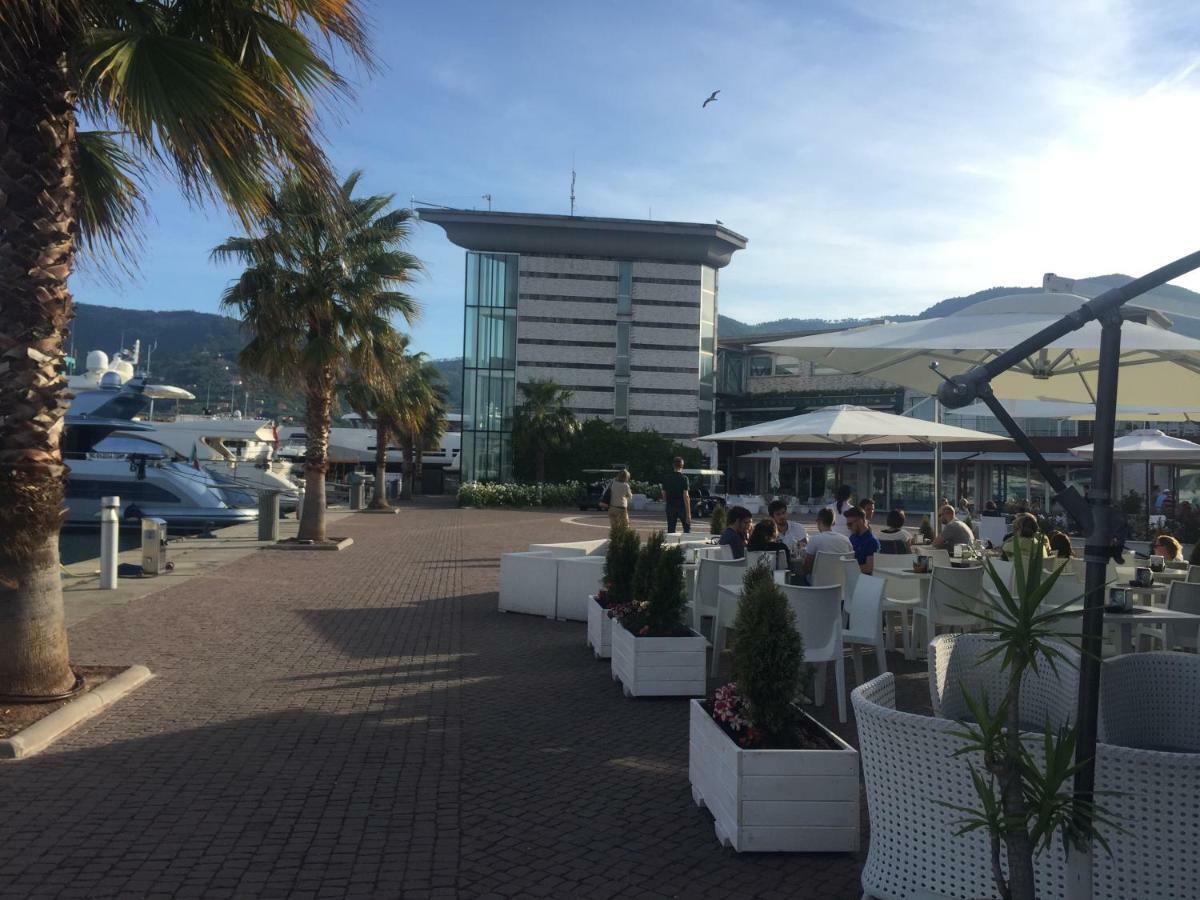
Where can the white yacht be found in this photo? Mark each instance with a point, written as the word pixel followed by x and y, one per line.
pixel 239 453
pixel 144 474
pixel 354 445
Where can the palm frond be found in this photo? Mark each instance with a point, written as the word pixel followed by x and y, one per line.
pixel 108 186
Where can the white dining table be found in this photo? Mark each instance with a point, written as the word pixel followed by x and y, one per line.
pixel 1144 615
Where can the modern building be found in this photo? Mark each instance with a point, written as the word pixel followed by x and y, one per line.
pixel 623 312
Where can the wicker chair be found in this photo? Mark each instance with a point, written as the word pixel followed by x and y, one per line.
pixel 1151 701
pixel 955 665
pixel 910 772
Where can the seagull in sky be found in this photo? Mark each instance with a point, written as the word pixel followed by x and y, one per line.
pixel 711 99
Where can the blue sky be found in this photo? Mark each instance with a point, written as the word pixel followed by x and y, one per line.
pixel 878 155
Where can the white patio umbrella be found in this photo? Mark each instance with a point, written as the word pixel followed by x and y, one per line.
pixel 1148 445
pixel 774 468
pixel 1152 357
pixel 851 426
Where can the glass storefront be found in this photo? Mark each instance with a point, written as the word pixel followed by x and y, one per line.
pixel 489 366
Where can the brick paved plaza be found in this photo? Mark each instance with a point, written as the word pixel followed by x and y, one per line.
pixel 366 723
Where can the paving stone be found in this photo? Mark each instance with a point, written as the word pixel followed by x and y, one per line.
pixel 366 722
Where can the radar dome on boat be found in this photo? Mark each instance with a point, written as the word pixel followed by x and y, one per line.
pixel 111 380
pixel 97 361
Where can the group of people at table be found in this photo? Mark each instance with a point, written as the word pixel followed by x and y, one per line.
pixel 844 527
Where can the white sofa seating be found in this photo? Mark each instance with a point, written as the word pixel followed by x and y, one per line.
pixel 579 577
pixel 529 583
pixel 572 548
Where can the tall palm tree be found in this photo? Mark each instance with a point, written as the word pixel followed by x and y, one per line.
pixel 318 296
pixel 421 412
pixel 217 95
pixel 544 421
pixel 377 403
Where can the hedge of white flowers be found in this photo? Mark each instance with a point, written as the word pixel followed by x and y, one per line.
pixel 475 493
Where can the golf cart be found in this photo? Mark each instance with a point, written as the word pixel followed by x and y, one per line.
pixel 704 502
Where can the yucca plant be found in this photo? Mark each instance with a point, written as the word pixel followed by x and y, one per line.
pixel 1024 801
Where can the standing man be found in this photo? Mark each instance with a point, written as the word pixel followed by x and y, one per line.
pixel 867 505
pixel 676 493
pixel 863 540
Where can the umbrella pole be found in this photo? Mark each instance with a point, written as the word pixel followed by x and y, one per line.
pixel 1097 553
pixel 937 468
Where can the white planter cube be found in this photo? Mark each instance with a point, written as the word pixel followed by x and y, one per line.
pixel 774 800
pixel 659 666
pixel 599 632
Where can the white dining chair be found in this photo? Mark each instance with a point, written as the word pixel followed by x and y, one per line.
pixel 772 559
pixel 826 570
pixel 850 575
pixel 1193 575
pixel 1182 596
pixel 865 607
pixel 951 591
pixel 709 576
pixel 818 613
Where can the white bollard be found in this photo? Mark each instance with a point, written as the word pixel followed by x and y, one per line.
pixel 110 524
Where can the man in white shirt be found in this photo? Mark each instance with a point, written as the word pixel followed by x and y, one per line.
pixel 825 540
pixel 791 534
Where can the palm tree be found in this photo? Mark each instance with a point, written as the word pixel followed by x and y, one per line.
pixel 218 95
pixel 421 412
pixel 376 405
pixel 318 297
pixel 544 421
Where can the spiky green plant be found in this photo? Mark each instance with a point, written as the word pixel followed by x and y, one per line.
pixel 1024 801
pixel 769 662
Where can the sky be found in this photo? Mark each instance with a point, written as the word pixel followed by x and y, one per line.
pixel 879 156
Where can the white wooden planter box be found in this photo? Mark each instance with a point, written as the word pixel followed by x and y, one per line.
pixel 659 666
pixel 599 633
pixel 774 800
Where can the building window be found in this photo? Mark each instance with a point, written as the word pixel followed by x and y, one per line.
pixel 760 366
pixel 622 363
pixel 489 366
pixel 621 403
pixel 624 288
pixel 787 365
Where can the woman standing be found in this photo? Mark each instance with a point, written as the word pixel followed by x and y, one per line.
pixel 838 507
pixel 619 495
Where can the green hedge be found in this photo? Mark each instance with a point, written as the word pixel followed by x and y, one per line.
pixel 479 494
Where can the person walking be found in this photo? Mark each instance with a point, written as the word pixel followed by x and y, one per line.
pixel 619 495
pixel 838 507
pixel 677 497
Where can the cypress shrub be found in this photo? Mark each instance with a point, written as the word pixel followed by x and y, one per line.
pixel 717 525
pixel 769 655
pixel 647 563
pixel 619 563
pixel 664 615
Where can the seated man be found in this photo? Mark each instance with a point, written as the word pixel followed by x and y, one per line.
pixel 791 534
pixel 826 540
pixel 953 531
pixel 736 530
pixel 862 539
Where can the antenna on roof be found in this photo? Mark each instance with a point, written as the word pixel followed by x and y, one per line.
pixel 572 184
pixel 488 198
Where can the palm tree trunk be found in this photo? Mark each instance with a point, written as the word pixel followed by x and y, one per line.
pixel 419 469
pixel 1017 843
pixel 407 488
pixel 37 251
pixel 379 501
pixel 317 419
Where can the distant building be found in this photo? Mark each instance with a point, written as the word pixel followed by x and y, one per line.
pixel 622 312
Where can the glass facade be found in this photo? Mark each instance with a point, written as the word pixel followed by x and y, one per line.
pixel 624 325
pixel 708 348
pixel 489 366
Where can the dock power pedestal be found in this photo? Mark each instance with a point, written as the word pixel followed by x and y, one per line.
pixel 154 546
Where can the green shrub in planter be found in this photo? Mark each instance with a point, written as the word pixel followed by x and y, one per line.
pixel 647 562
pixel 619 564
pixel 717 524
pixel 668 599
pixel 769 656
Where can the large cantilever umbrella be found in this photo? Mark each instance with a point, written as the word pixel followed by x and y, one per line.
pixel 1055 409
pixel 1152 356
pixel 1148 445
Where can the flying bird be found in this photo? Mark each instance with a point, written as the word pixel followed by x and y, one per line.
pixel 711 99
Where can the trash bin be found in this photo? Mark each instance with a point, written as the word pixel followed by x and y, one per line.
pixel 359 489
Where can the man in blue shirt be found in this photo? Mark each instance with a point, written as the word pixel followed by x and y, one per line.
pixel 862 539
pixel 734 536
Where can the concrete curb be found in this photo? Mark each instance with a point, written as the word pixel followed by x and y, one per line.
pixel 46 731
pixel 339 544
pixel 393 511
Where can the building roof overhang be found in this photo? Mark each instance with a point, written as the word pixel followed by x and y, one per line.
pixel 533 233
